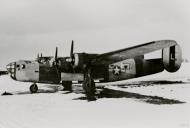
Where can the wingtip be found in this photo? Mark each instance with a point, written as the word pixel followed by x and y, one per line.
pixel 171 42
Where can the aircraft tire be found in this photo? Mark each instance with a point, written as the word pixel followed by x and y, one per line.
pixel 67 85
pixel 89 88
pixel 33 88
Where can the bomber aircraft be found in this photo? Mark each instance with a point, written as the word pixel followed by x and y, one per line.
pixel 84 67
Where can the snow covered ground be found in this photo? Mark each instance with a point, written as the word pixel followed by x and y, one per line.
pixel 156 101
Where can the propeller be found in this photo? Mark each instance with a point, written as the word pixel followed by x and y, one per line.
pixel 56 59
pixel 55 63
pixel 38 56
pixel 71 59
pixel 71 53
pixel 72 48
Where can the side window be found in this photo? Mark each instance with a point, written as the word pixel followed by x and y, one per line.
pixel 23 66
pixel 18 66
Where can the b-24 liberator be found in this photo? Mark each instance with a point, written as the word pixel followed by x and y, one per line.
pixel 123 64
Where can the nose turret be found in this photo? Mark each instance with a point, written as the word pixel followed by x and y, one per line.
pixel 11 68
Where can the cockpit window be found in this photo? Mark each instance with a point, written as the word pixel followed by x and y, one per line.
pixel 44 60
pixel 22 66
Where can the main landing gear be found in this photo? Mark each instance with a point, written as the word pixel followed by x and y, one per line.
pixel 89 86
pixel 67 85
pixel 33 88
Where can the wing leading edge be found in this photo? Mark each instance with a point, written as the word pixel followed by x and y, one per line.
pixel 127 53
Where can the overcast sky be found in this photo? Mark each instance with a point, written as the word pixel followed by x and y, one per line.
pixel 31 26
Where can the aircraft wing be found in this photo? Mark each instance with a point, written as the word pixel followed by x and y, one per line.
pixel 127 53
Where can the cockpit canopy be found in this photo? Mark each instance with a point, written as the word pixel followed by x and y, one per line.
pixel 45 60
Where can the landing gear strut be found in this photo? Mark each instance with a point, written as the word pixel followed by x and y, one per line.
pixel 67 85
pixel 33 88
pixel 89 86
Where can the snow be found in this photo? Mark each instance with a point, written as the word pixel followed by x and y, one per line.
pixel 121 104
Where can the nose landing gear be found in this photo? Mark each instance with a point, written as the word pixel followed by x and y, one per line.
pixel 33 88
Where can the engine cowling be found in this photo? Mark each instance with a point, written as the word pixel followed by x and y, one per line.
pixel 82 59
pixel 79 60
pixel 172 58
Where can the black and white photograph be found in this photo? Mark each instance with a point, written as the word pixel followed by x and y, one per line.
pixel 94 64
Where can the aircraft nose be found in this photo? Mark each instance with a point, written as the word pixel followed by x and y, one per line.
pixel 11 68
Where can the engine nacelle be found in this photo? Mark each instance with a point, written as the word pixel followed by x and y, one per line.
pixel 82 59
pixel 172 58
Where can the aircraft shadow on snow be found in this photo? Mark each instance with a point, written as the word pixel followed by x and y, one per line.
pixel 150 83
pixel 110 93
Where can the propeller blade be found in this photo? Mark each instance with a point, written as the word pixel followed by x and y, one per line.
pixel 38 56
pixel 56 52
pixel 72 48
pixel 56 62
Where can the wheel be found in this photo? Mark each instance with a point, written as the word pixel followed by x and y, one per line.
pixel 89 88
pixel 33 88
pixel 67 85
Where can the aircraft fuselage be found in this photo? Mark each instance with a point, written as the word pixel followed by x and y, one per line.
pixel 34 71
